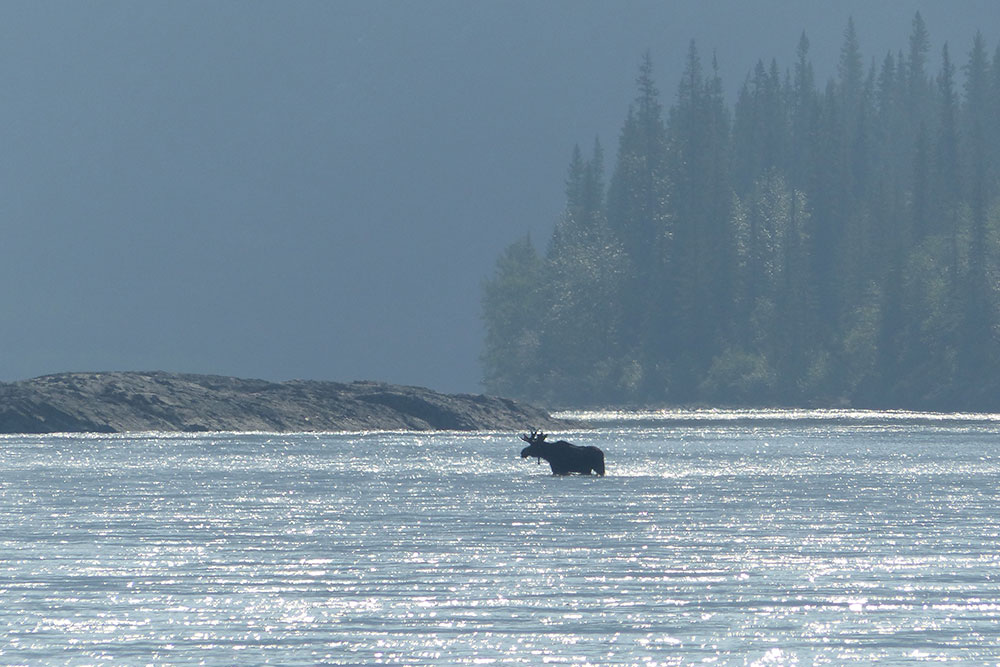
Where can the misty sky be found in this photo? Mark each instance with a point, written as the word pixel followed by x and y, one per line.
pixel 317 189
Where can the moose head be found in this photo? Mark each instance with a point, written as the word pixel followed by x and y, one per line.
pixel 535 440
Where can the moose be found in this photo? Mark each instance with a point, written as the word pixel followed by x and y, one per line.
pixel 563 457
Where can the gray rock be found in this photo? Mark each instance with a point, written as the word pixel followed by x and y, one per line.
pixel 157 401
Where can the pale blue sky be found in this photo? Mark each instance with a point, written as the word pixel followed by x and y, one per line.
pixel 317 189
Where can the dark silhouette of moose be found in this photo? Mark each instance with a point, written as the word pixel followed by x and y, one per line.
pixel 563 457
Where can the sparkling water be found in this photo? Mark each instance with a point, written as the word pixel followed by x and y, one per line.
pixel 746 538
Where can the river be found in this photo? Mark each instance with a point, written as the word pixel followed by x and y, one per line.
pixel 727 537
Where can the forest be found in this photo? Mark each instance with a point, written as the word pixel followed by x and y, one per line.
pixel 808 244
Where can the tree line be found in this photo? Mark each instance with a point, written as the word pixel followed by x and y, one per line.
pixel 804 245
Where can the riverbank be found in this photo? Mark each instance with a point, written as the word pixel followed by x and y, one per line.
pixel 119 402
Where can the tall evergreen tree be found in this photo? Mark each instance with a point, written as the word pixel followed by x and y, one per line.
pixel 947 175
pixel 804 113
pixel 919 200
pixel 850 69
pixel 977 119
pixel 639 213
pixel 835 244
pixel 584 272
pixel 917 81
pixel 698 129
pixel 759 127
pixel 513 302
pixel 976 356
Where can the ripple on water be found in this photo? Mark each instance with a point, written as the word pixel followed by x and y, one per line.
pixel 758 539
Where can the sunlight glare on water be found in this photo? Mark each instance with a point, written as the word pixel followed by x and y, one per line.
pixel 755 539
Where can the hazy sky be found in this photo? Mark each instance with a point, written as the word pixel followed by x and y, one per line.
pixel 317 189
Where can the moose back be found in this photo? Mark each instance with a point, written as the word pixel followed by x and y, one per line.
pixel 563 457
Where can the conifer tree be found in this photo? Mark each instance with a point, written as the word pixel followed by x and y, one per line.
pixel 976 358
pixel 584 272
pixel 947 175
pixel 811 245
pixel 513 302
pixel 804 113
pixel 917 82
pixel 698 129
pixel 639 214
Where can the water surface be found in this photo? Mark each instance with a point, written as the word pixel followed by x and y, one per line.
pixel 725 537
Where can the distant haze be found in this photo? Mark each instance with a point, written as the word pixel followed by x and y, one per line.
pixel 317 189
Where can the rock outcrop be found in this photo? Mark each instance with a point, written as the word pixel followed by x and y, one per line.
pixel 157 401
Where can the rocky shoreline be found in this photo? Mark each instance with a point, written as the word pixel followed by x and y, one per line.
pixel 156 401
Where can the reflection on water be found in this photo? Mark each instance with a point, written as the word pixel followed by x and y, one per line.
pixel 783 416
pixel 759 539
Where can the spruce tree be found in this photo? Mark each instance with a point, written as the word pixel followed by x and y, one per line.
pixel 834 244
pixel 513 304
pixel 639 214
pixel 976 339
pixel 698 129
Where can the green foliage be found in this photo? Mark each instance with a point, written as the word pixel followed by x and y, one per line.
pixel 739 377
pixel 512 302
pixel 811 245
pixel 859 343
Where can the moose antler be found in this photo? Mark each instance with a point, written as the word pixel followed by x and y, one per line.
pixel 534 438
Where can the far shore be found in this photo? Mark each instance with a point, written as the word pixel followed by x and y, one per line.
pixel 120 402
